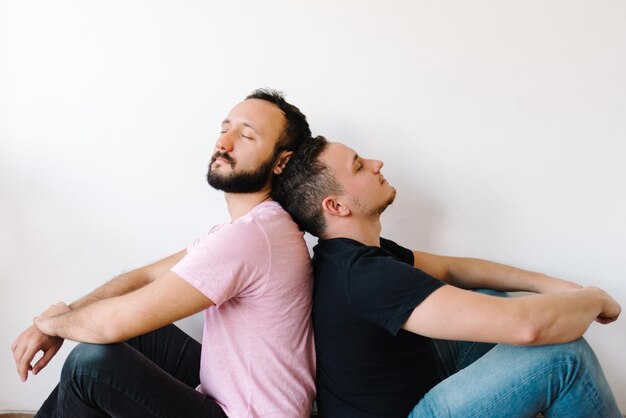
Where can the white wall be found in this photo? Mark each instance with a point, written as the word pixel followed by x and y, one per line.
pixel 502 124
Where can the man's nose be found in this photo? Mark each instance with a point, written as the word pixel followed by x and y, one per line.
pixel 377 165
pixel 225 142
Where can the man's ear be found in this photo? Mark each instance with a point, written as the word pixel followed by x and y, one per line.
pixel 333 206
pixel 281 161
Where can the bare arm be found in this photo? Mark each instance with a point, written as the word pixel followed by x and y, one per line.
pixel 122 317
pixel 130 281
pixel 32 340
pixel 473 273
pixel 456 314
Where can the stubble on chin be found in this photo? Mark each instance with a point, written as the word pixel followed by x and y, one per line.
pixel 387 203
pixel 378 210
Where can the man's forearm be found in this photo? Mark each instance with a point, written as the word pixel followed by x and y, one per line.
pixel 562 317
pixel 472 273
pixel 450 313
pixel 117 286
pixel 128 282
pixel 118 318
pixel 86 324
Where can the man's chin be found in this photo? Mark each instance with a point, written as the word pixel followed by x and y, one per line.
pixel 236 184
pixel 220 167
pixel 216 180
pixel 392 196
pixel 389 201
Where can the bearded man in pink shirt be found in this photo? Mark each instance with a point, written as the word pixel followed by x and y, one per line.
pixel 252 278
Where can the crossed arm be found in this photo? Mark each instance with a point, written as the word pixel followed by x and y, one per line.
pixel 153 296
pixel 128 305
pixel 560 312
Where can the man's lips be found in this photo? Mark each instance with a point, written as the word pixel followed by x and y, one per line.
pixel 222 158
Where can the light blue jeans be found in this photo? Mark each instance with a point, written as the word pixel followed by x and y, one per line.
pixel 487 380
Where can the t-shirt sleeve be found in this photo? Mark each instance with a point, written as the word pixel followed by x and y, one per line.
pixel 403 254
pixel 385 290
pixel 232 261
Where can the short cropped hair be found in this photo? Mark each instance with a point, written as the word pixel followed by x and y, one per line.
pixel 304 184
pixel 296 129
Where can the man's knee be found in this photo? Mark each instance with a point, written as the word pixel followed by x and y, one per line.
pixel 572 359
pixel 86 358
pixel 577 351
pixel 582 353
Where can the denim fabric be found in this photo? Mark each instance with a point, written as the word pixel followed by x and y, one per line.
pixel 153 375
pixel 487 380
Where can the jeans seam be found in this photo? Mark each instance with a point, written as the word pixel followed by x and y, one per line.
pixel 529 377
pixel 594 396
pixel 463 356
pixel 180 357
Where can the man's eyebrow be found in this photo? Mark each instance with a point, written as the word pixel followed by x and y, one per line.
pixel 251 127
pixel 356 157
pixel 244 124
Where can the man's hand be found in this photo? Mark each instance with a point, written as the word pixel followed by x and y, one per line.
pixel 610 309
pixel 26 347
pixel 34 340
pixel 57 309
pixel 43 321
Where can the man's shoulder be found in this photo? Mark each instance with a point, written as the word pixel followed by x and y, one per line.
pixel 353 252
pixel 256 232
pixel 268 215
pixel 365 270
pixel 273 229
pixel 347 261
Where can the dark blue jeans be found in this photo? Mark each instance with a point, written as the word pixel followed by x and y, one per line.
pixel 153 375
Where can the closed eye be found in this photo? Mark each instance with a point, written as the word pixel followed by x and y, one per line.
pixel 358 163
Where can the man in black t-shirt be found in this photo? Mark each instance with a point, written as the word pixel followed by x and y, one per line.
pixel 378 308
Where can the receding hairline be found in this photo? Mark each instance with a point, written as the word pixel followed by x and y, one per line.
pixel 254 127
pixel 268 102
pixel 285 121
pixel 326 147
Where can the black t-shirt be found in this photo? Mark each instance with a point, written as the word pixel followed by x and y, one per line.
pixel 367 366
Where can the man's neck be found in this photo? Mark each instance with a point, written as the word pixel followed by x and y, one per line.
pixel 365 231
pixel 241 203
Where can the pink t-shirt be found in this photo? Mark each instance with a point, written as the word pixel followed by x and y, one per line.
pixel 258 355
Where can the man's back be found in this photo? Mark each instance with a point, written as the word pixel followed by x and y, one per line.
pixel 257 356
pixel 362 297
pixel 361 288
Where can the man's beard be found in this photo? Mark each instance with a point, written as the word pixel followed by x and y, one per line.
pixel 240 182
pixel 377 210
